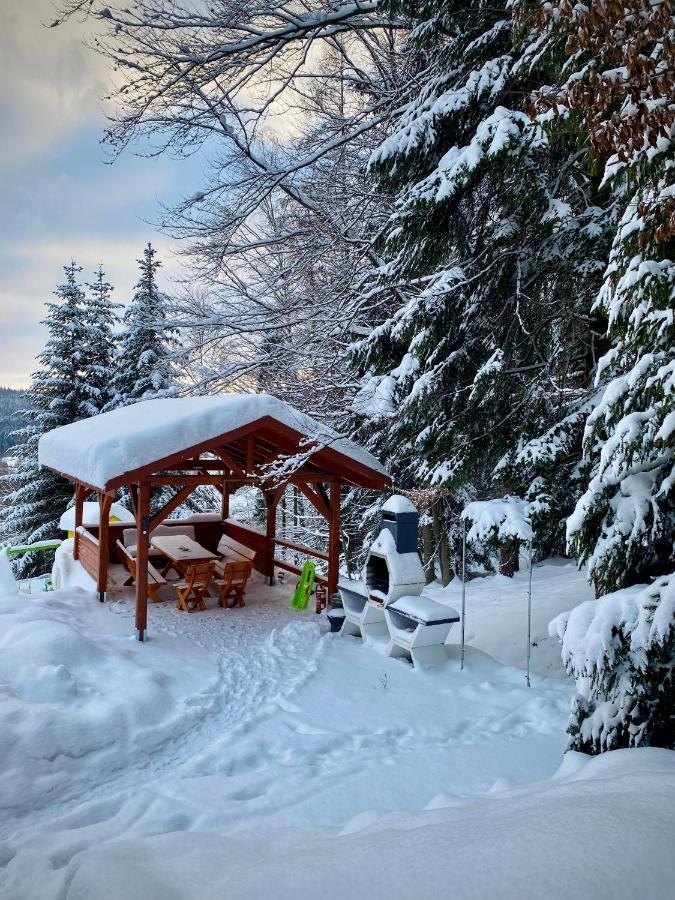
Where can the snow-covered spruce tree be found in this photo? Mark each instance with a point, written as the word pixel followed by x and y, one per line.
pixel 621 648
pixel 621 77
pixel 99 319
pixel 144 366
pixel 621 651
pixel 494 255
pixel 57 396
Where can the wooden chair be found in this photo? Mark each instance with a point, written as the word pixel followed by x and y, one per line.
pixel 191 591
pixel 155 579
pixel 233 582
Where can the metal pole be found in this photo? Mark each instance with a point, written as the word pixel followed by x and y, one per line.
pixel 461 665
pixel 529 615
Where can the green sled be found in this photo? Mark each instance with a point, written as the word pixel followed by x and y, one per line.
pixel 304 588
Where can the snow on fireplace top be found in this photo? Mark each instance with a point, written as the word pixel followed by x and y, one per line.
pixel 399 504
pixel 103 448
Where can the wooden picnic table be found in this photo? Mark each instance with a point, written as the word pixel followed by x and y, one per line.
pixel 181 551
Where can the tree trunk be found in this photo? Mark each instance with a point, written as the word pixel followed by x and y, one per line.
pixel 508 562
pixel 428 552
pixel 441 540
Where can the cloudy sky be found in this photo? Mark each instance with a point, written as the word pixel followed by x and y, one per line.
pixel 60 197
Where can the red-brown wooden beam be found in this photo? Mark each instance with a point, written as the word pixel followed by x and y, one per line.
pixel 314 498
pixel 142 546
pixel 334 538
pixel 80 493
pixel 174 503
pixel 228 460
pixel 133 497
pixel 249 453
pixel 104 504
pixel 225 501
pixel 301 549
pixel 271 500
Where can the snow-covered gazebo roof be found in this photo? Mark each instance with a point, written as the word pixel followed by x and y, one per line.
pixel 114 448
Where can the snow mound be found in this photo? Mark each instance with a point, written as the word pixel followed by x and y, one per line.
pixel 76 696
pixel 91 515
pixel 504 844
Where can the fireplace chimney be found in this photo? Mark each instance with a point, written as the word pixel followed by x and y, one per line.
pixel 400 517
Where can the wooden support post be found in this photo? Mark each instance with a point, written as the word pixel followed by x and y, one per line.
pixel 104 504
pixel 142 544
pixel 133 497
pixel 334 538
pixel 249 454
pixel 80 492
pixel 225 502
pixel 271 500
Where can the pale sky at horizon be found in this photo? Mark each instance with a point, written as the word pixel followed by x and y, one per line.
pixel 59 196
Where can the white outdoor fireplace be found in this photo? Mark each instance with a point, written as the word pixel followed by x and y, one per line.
pixel 393 569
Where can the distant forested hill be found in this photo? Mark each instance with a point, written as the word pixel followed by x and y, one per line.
pixel 11 402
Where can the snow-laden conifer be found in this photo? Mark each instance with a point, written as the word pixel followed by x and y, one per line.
pixel 493 257
pixel 624 524
pixel 144 366
pixel 621 651
pixel 58 395
pixel 99 319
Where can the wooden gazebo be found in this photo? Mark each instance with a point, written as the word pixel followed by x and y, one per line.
pixel 226 442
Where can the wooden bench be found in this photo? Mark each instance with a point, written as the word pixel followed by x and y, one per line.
pixel 155 579
pixel 232 551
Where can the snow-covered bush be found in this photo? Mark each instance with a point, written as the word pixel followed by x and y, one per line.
pixel 621 651
pixel 502 524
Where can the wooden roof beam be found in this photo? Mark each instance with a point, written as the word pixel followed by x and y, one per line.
pixel 228 460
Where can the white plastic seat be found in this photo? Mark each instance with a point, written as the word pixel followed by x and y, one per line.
pixel 418 629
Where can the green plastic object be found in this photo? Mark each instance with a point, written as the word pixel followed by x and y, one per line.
pixel 304 588
pixel 32 548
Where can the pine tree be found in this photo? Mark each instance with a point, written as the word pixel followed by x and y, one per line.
pixel 57 396
pixel 624 524
pixel 144 364
pixel 100 319
pixel 493 258
pixel 619 77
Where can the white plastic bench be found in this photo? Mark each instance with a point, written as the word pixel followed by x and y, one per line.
pixel 362 618
pixel 418 628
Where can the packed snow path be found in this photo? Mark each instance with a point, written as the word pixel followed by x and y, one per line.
pixel 241 662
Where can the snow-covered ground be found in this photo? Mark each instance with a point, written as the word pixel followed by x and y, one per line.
pixel 496 612
pixel 248 753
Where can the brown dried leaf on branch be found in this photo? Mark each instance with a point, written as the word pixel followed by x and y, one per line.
pixel 623 77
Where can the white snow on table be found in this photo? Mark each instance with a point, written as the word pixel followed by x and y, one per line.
pixel 99 449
